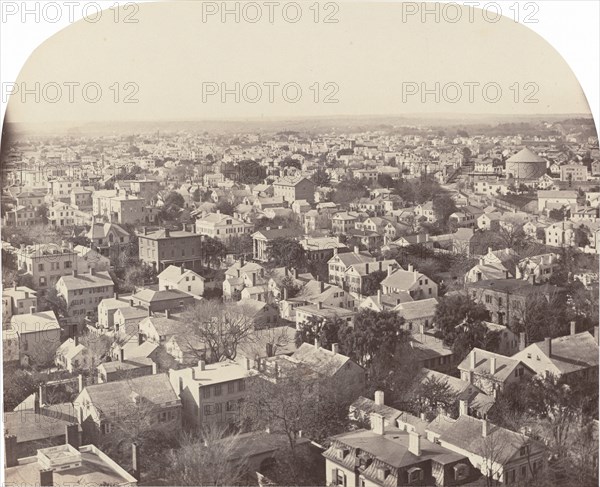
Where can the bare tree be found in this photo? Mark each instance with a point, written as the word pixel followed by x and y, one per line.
pixel 216 459
pixel 219 326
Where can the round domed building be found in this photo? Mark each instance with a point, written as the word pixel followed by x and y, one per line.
pixel 525 164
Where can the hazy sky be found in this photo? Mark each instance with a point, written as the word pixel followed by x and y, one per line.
pixel 372 61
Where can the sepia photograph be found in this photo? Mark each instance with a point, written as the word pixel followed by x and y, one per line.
pixel 293 243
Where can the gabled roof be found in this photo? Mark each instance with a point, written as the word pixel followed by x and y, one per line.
pixel 401 279
pixel 525 155
pixel 505 366
pixel 320 359
pixel 84 281
pixel 151 296
pixel 351 258
pixel 109 396
pixel 413 310
pixel 34 322
pixel 177 274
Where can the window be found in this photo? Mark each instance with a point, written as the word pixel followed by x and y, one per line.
pixel 231 388
pixel 241 385
pixel 162 417
pixel 415 474
pixel 340 478
pixel 524 471
pixel 208 410
pixel 206 392
pixel 218 408
pixel 217 389
pixel 40 267
pixel 106 428
pixel 230 406
pixel 523 451
pixel 499 301
pixel 488 299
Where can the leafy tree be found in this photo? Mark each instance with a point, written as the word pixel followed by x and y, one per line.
pixel 172 206
pixel 52 301
pixel 214 251
pixel 443 207
pixel 348 190
pixel 225 207
pixel 287 252
pixel 326 331
pixel 432 394
pixel 455 309
pixel 18 384
pixel 372 282
pixel 472 335
pixel 581 236
pixel 373 334
pixel 251 172
pixel 42 213
pixel 320 177
pixel 385 181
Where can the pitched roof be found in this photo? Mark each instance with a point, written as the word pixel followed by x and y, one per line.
pixel 108 396
pixel 34 322
pixel 320 359
pixel 177 274
pixel 505 366
pixel 84 281
pixel 413 310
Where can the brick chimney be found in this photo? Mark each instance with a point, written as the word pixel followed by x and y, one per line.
pixel 390 270
pixel 73 435
pixel 414 443
pixel 366 268
pixel 10 454
pixel 182 269
pixel 285 293
pixel 522 341
pixel 92 271
pixel 122 354
pixel 596 334
pixel 269 349
pixel 31 310
pixel 379 398
pixel 167 232
pixel 46 477
pixel 573 328
pixel 201 365
pixel 484 428
pixel 377 424
pixel 322 286
pixel 167 313
pixel 473 362
pixel 492 365
pixel 335 348
pixel 356 249
pixel 410 268
pixel 547 346
pixel 320 304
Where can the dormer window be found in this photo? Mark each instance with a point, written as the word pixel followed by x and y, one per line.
pixel 415 475
pixel 461 471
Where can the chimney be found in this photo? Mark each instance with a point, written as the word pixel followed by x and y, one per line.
pixel 377 424
pixel 74 272
pixel 11 454
pixel 489 250
pixel 167 313
pixel 145 231
pixel 182 268
pixel 596 334
pixel 130 302
pixel 73 435
pixel 80 382
pixel 26 295
pixel 410 268
pixel 367 268
pixel 322 286
pixel 269 349
pixel 135 461
pixel 390 270
pixel 92 271
pixel 46 477
pixel 573 328
pixel 521 341
pixel 248 363
pixel 295 273
pixel 379 296
pixel 201 365
pixel 320 304
pixel 122 354
pixel 116 295
pixel 484 428
pixel 154 368
pixel 379 398
pixel 253 279
pixel 473 363
pixel 285 293
pixel 492 365
pixel 335 348
pixel 547 348
pixel 414 443
pixel 31 310
pixel 356 249
pixel 463 407
pixel 317 344
pixel 76 340
pixel 242 261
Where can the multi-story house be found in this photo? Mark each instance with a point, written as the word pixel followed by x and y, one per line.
pixel 17 301
pixel 46 264
pixel 538 268
pixel 356 275
pixel 110 239
pixel 505 299
pixel 386 455
pixel 501 455
pixel 492 372
pixel 294 188
pixel 561 234
pixel 325 312
pixel 121 207
pixel 210 393
pixel 81 198
pixel 262 240
pixel 426 211
pixel 149 398
pixel 418 285
pixel 223 227
pixel 22 216
pixel 573 357
pixel 84 292
pixel 343 222
pixel 37 336
pixel 341 262
pixel 167 299
pixel 61 188
pixel 165 247
pixel 573 173
pixel 556 199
